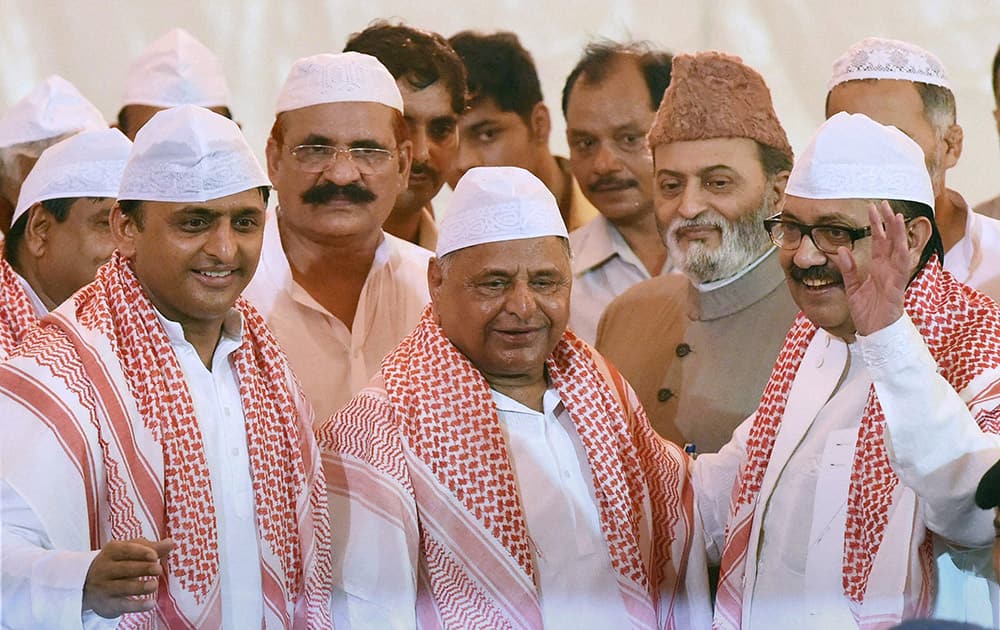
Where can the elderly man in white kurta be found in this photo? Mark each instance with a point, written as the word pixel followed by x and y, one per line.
pixel 498 472
pixel 338 292
pixel 880 416
pixel 158 468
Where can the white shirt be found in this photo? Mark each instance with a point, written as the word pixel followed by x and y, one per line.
pixel 577 586
pixel 604 266
pixel 793 589
pixel 219 410
pixel 333 362
pixel 975 259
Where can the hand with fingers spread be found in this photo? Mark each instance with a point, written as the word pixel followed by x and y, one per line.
pixel 876 300
pixel 123 577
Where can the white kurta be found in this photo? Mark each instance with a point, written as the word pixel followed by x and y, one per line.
pixel 34 572
pixel 604 266
pixel 934 446
pixel 577 586
pixel 975 259
pixel 333 362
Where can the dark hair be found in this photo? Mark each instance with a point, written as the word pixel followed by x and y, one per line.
pixel 599 57
pixel 996 68
pixel 132 208
pixel 123 117
pixel 420 57
pixel 58 208
pixel 772 160
pixel 912 210
pixel 499 68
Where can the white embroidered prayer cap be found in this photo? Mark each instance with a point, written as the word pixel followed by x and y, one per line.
pixel 189 154
pixel 348 77
pixel 879 58
pixel 89 164
pixel 498 203
pixel 176 69
pixel 53 109
pixel 853 157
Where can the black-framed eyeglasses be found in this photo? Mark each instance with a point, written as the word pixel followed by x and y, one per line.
pixel 827 238
pixel 316 158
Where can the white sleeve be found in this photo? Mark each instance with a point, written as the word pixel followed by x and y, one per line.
pixel 934 444
pixel 41 587
pixel 713 477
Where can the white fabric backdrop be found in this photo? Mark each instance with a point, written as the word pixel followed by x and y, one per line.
pixel 792 43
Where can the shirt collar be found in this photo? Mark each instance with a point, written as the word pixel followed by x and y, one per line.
pixel 551 403
pixel 598 242
pixel 747 288
pixel 229 342
pixel 36 302
pixel 273 255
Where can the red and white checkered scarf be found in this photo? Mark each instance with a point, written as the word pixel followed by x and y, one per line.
pixel 961 328
pixel 17 313
pixel 289 490
pixel 449 420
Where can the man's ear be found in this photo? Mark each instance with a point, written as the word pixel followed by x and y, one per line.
pixel 124 229
pixel 405 150
pixel 36 231
pixel 777 190
pixel 273 154
pixel 541 123
pixel 953 138
pixel 434 279
pixel 918 233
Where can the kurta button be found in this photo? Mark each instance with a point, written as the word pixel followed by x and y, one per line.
pixel 664 395
pixel 682 350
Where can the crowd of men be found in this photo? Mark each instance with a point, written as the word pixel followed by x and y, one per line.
pixel 681 378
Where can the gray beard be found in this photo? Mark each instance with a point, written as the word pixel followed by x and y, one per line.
pixel 743 241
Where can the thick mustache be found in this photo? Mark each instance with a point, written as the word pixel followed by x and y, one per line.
pixel 612 183
pixel 325 193
pixel 701 221
pixel 823 273
pixel 424 168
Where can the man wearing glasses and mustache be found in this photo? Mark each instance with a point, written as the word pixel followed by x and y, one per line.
pixel 698 349
pixel 338 292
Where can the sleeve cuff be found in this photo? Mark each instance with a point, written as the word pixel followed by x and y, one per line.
pixel 897 345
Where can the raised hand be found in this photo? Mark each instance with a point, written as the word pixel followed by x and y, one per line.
pixel 875 298
pixel 123 577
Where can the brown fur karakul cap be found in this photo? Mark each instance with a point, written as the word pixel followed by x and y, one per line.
pixel 714 95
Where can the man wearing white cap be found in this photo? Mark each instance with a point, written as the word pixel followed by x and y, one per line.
pixel 181 484
pixel 880 415
pixel 61 232
pixel 900 84
pixel 176 69
pixel 53 110
pixel 498 472
pixel 338 292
